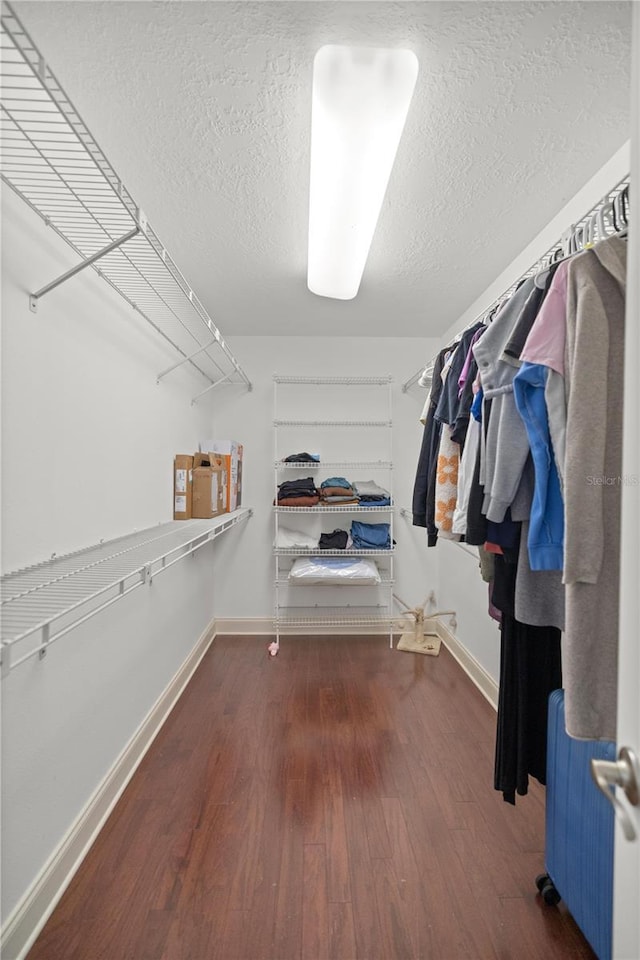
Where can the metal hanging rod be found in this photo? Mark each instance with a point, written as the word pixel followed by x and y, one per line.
pixel 408 515
pixel 614 208
pixel 51 161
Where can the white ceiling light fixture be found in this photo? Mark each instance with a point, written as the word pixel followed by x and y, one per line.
pixel 361 97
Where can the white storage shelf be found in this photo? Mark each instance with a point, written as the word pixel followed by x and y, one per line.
pixel 288 582
pixel 50 159
pixel 335 381
pixel 334 464
pixel 316 552
pixel 42 603
pixel 338 508
pixel 333 423
pixel 350 605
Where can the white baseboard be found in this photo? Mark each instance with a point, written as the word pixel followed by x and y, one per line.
pixel 474 670
pixel 263 626
pixel 30 915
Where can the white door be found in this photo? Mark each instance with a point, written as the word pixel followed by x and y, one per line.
pixel 626 910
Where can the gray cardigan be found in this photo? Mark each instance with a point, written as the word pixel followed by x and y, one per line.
pixel 594 361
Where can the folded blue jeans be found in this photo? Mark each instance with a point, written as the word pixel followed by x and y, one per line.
pixel 370 536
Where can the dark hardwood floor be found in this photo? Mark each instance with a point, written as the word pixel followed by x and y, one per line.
pixel 334 803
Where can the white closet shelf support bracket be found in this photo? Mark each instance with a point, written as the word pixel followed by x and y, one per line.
pixel 174 366
pixel 46 639
pixel 5 660
pixel 212 385
pixel 35 297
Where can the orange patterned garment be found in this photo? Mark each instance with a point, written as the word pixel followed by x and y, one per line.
pixel 447 484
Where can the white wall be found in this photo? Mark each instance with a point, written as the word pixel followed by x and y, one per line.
pixel 66 719
pixel 463 590
pixel 88 437
pixel 244 572
pixel 87 446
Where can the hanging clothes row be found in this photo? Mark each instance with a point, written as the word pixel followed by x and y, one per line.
pixel 521 456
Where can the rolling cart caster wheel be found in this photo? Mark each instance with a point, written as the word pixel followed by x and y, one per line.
pixel 541 880
pixel 550 895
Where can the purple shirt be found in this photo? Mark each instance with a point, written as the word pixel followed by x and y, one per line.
pixel 464 373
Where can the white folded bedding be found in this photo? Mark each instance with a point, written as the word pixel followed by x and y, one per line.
pixel 307 571
pixel 295 539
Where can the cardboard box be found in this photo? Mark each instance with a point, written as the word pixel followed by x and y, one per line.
pixel 232 454
pixel 182 486
pixel 209 486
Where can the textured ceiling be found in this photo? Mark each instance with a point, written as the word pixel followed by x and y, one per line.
pixel 203 109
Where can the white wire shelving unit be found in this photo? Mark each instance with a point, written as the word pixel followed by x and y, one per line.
pixel 345 605
pixel 42 603
pixel 50 160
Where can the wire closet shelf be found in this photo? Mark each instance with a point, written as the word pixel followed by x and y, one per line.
pixel 51 161
pixel 42 603
pixel 595 225
pixel 324 464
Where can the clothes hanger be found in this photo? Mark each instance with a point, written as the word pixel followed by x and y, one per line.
pixel 620 209
pixel 606 219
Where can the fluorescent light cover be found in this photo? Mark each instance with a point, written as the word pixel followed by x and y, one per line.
pixel 361 97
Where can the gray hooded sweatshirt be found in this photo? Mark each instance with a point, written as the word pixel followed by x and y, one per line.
pixel 507 445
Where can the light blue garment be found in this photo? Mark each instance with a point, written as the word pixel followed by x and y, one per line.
pixel 335 563
pixel 336 482
pixel 370 536
pixel 546 529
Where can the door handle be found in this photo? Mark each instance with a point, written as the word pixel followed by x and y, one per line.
pixel 624 773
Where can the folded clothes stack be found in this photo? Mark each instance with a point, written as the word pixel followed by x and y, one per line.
pixel 371 494
pixel 337 540
pixel 298 493
pixel 337 491
pixel 295 539
pixel 370 536
pixel 303 457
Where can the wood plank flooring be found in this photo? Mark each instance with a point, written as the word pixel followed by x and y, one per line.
pixel 334 803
